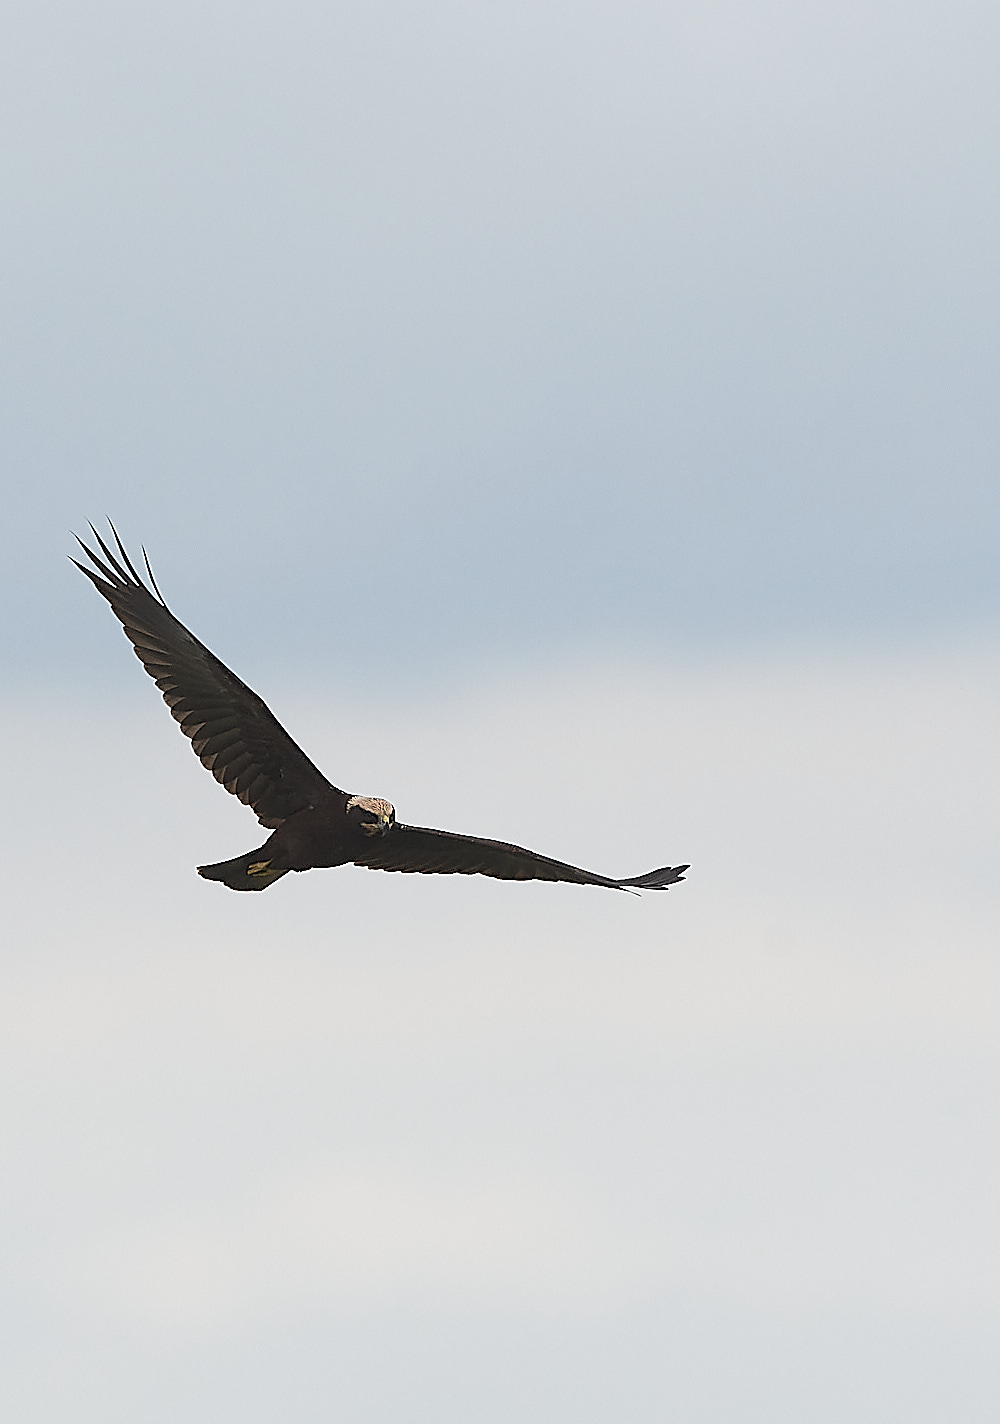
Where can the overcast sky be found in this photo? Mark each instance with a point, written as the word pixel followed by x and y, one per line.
pixel 479 328
pixel 580 423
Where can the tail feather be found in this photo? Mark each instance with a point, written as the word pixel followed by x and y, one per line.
pixel 233 873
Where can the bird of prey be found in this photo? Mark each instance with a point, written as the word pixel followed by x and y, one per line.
pixel 312 822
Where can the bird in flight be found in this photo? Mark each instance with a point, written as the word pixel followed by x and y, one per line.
pixel 312 822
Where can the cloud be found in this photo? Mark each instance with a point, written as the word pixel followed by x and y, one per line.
pixel 352 1237
pixel 770 1086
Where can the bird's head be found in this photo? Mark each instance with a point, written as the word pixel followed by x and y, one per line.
pixel 375 817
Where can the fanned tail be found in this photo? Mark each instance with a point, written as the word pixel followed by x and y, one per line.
pixel 236 873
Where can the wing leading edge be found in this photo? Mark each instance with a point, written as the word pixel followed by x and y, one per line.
pixel 419 850
pixel 233 732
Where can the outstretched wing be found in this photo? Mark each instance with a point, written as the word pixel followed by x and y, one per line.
pixel 234 734
pixel 417 850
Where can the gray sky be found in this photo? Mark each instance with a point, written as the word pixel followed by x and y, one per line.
pixel 376 1147
pixel 580 424
pixel 508 327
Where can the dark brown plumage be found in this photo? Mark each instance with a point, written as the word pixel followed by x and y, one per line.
pixel 245 747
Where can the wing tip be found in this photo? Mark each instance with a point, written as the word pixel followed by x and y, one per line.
pixel 661 879
pixel 117 576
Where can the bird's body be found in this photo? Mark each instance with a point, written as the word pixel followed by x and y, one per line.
pixel 317 838
pixel 313 823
